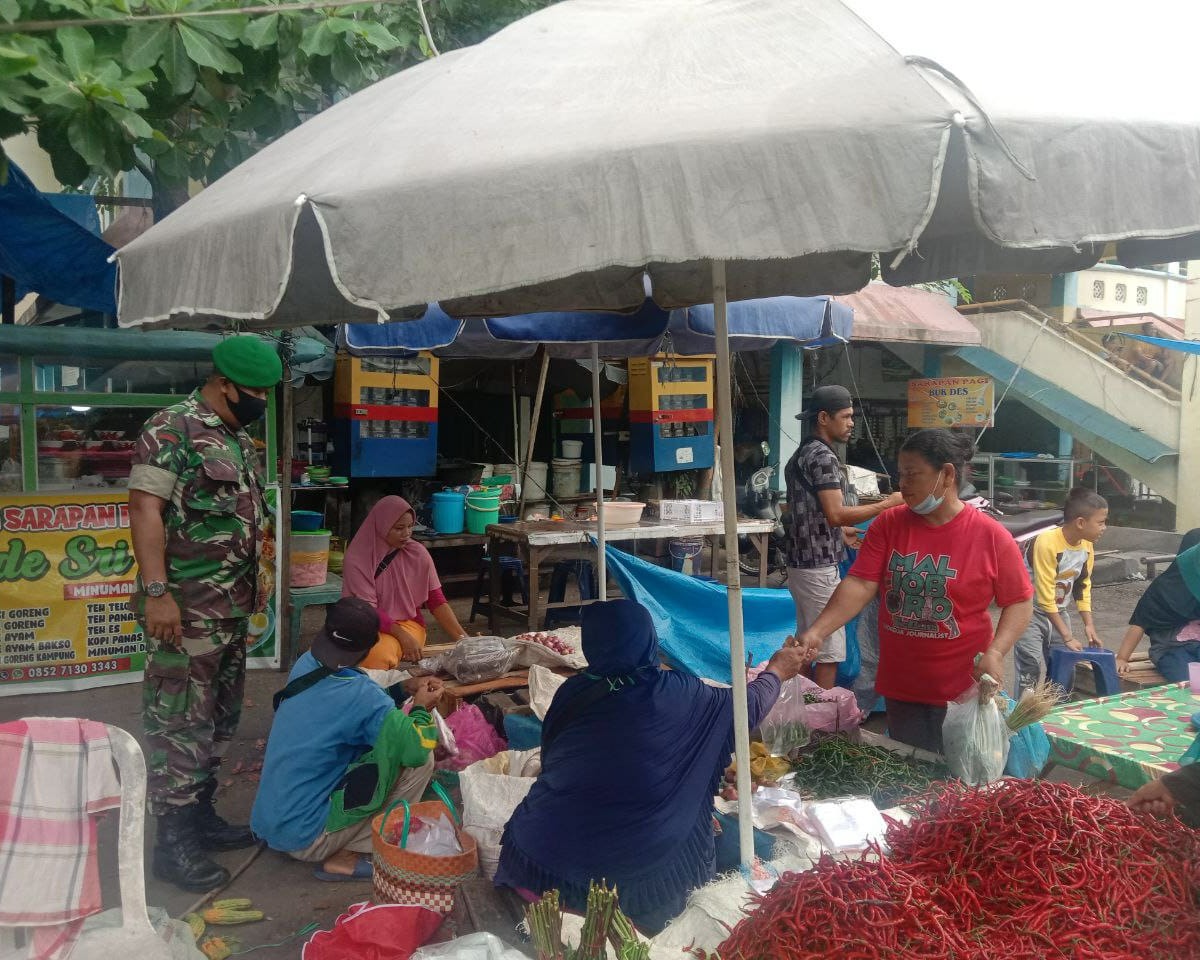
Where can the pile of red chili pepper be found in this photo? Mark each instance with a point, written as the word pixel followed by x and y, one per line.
pixel 1022 869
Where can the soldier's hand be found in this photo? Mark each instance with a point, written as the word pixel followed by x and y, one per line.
pixel 428 692
pixel 163 621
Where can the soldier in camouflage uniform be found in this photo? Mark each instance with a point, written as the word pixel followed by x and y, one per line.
pixel 197 518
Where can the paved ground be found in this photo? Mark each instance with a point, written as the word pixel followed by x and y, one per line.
pixel 284 888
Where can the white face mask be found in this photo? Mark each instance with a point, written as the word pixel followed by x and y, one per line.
pixel 930 503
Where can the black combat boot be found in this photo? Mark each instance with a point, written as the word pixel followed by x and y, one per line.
pixel 178 857
pixel 212 830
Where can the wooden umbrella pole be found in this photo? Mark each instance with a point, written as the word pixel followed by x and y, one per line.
pixel 733 575
pixel 533 429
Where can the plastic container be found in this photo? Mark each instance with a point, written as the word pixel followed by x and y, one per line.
pixel 685 554
pixel 564 477
pixel 572 449
pixel 483 508
pixel 306 520
pixel 622 513
pixel 511 469
pixel 535 480
pixel 310 558
pixel 449 511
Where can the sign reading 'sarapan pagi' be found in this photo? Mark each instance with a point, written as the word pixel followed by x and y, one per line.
pixel 66 573
pixel 951 402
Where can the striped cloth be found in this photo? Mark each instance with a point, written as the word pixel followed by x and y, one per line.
pixel 56 774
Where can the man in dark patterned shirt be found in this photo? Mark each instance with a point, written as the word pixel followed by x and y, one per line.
pixel 197 517
pixel 820 523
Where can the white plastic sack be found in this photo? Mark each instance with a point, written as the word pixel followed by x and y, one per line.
pixel 975 738
pixel 543 685
pixel 475 946
pixel 492 790
pixel 433 837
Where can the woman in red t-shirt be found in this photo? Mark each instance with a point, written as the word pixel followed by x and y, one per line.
pixel 938 566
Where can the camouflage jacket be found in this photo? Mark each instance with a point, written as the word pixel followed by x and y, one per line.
pixel 215 515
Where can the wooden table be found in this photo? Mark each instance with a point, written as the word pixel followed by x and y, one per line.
pixel 447 541
pixel 554 540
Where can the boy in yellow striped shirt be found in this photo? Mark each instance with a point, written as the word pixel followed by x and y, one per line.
pixel 1060 566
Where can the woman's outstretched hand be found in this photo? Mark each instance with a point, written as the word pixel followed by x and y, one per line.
pixel 790 661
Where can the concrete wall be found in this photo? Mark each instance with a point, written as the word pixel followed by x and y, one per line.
pixel 34 161
pixel 1100 289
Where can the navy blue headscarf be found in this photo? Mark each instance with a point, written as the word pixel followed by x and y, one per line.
pixel 631 758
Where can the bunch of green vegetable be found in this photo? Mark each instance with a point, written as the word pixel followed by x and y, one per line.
pixel 602 923
pixel 837 767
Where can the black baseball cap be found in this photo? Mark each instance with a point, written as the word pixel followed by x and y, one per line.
pixel 831 399
pixel 351 629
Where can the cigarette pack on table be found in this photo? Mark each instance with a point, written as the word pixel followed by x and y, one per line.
pixel 691 511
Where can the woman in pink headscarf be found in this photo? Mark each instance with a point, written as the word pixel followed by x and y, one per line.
pixel 386 567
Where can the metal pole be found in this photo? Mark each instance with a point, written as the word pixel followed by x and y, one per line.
pixel 598 447
pixel 733 575
pixel 533 429
pixel 283 512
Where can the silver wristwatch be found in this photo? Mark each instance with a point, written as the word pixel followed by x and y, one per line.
pixel 156 588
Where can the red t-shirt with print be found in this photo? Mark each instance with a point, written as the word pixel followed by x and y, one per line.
pixel 935 587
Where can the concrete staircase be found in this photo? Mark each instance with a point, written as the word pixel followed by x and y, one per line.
pixel 1048 349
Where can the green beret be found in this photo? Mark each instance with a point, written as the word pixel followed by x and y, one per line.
pixel 248 361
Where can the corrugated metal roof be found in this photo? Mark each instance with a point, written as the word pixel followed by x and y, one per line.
pixel 1059 406
pixel 908 315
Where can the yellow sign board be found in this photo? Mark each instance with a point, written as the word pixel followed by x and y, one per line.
pixel 951 402
pixel 66 573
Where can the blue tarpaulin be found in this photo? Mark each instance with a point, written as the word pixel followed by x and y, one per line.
pixel 49 251
pixel 753 325
pixel 692 616
pixel 1183 346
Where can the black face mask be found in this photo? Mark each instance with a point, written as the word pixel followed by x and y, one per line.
pixel 246 409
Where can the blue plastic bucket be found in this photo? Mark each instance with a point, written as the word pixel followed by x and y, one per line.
pixel 448 512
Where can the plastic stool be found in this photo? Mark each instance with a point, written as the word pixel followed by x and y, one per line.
pixel 510 568
pixel 320 596
pixel 1104 669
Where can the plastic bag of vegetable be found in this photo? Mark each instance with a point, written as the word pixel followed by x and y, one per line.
pixel 803 708
pixel 975 738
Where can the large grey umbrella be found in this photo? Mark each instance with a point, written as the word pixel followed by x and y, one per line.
pixel 725 148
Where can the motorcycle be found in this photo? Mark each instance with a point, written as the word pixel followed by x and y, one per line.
pixel 758 500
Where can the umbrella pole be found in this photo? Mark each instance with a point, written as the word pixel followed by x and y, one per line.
pixel 733 575
pixel 598 448
pixel 533 429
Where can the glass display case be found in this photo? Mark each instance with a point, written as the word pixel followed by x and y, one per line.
pixel 1023 482
pixel 72 403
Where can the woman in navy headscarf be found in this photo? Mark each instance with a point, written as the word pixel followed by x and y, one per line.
pixel 632 756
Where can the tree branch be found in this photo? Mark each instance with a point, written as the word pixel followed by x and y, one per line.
pixel 41 26
pixel 425 27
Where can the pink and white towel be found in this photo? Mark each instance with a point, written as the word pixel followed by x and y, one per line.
pixel 56 774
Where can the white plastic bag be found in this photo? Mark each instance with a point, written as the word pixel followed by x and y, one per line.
pixel 474 946
pixel 476 659
pixel 975 738
pixel 847 825
pixel 434 838
pixel 492 790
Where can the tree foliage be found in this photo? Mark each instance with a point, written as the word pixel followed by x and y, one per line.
pixel 190 96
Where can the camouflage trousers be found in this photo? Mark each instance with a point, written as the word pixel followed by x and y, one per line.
pixel 191 705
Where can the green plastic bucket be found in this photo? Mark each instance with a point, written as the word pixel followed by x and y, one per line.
pixel 483 508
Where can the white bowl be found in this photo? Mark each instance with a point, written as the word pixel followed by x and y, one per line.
pixel 622 513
